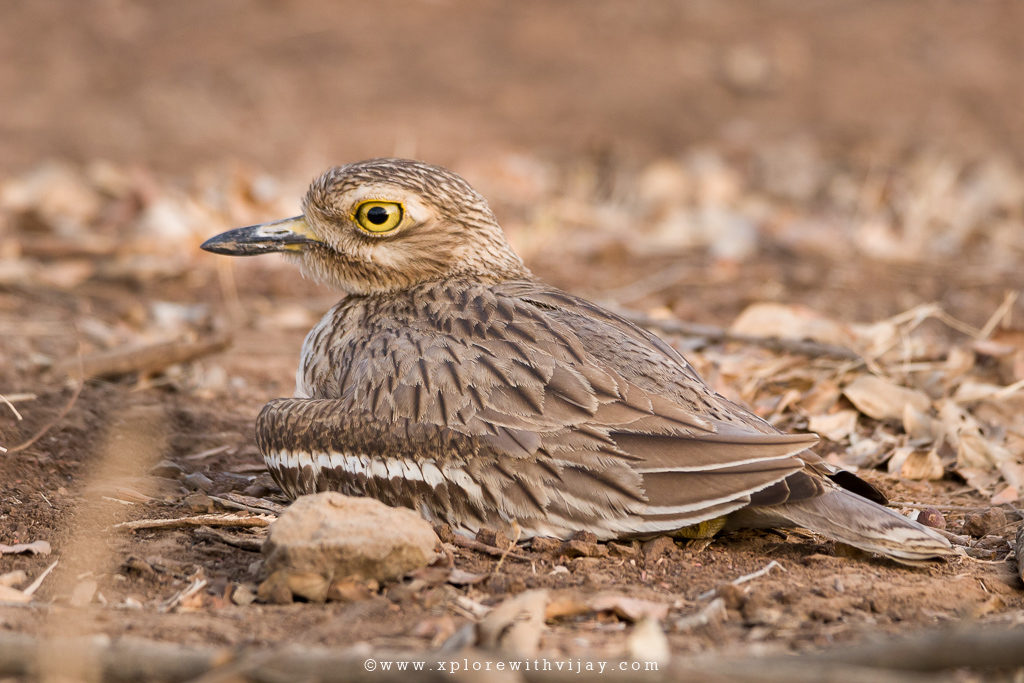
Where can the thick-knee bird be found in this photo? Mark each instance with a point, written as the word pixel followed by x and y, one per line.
pixel 451 380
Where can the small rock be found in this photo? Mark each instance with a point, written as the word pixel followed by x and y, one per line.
pixel 931 517
pixel 167 468
pixel 197 481
pixel 622 550
pixel 199 502
pixel 261 487
pixel 656 547
pixel 336 536
pixel 242 595
pixel 493 537
pixel 444 532
pixel 543 544
pixel 584 536
pixel 586 565
pixel 981 524
pixel 580 548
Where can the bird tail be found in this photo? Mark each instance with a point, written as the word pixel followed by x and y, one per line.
pixel 852 519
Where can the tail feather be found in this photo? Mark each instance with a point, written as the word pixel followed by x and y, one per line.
pixel 852 519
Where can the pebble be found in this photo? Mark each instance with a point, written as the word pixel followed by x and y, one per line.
pixel 981 524
pixel 931 517
pixel 326 537
pixel 197 481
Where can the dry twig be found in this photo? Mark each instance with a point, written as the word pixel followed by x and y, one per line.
pixel 474 544
pixel 148 359
pixel 229 520
pixel 743 579
pixel 49 425
pixel 250 543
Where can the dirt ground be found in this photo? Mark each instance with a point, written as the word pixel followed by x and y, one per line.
pixel 848 162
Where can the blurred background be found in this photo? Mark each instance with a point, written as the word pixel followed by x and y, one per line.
pixel 292 86
pixel 845 171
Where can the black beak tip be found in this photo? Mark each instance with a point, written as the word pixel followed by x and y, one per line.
pixel 214 245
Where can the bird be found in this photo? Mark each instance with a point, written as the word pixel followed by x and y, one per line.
pixel 451 380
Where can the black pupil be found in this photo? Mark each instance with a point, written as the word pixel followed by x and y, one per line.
pixel 377 215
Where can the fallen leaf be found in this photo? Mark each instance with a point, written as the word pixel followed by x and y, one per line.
pixel 1010 494
pixel 835 426
pixel 911 463
pixel 789 322
pixel 881 399
pixel 919 425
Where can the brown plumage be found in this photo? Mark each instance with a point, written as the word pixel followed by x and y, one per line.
pixel 452 381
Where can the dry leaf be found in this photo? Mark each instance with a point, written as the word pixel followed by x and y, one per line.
pixel 911 463
pixel 981 480
pixel 919 425
pixel 790 322
pixel 1010 494
pixel 821 397
pixel 883 400
pixel 834 427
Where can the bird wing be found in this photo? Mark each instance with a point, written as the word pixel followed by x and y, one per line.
pixel 551 410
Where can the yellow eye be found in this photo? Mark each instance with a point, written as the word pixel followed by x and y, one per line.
pixel 377 217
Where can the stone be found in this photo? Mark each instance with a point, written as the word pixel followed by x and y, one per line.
pixel 991 521
pixel 199 502
pixel 655 548
pixel 334 536
pixel 197 481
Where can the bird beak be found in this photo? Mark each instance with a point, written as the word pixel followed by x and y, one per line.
pixel 290 234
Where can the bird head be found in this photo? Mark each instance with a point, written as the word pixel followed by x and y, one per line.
pixel 383 225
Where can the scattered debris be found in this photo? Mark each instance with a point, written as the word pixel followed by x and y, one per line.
pixel 744 579
pixel 35 548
